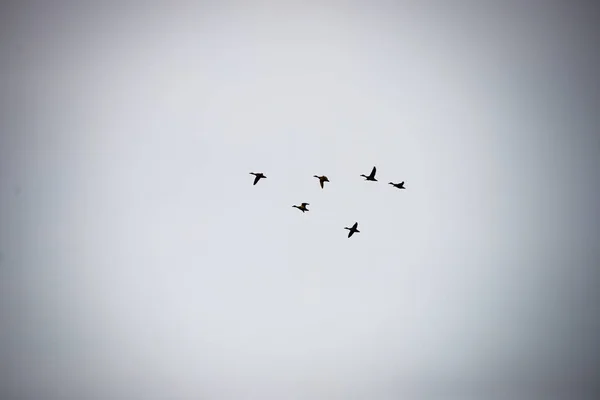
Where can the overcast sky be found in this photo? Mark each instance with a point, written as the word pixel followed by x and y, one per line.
pixel 138 261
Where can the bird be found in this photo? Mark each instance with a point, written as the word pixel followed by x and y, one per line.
pixel 371 176
pixel 398 185
pixel 302 207
pixel 353 229
pixel 258 175
pixel 322 180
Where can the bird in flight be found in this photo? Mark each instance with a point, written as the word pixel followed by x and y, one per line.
pixel 371 176
pixel 353 229
pixel 302 207
pixel 258 175
pixel 398 185
pixel 322 180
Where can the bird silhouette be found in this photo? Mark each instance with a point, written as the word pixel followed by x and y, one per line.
pixel 398 185
pixel 257 175
pixel 322 180
pixel 371 176
pixel 353 229
pixel 302 207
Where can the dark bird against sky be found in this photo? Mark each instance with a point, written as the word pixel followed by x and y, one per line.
pixel 353 229
pixel 322 180
pixel 258 175
pixel 371 176
pixel 302 207
pixel 398 185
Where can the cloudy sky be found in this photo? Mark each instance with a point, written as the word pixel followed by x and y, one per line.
pixel 138 261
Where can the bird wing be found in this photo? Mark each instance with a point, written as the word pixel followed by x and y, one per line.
pixel 321 181
pixel 350 233
pixel 373 172
pixel 305 204
pixel 355 225
pixel 256 179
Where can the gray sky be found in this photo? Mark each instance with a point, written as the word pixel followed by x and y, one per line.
pixel 139 262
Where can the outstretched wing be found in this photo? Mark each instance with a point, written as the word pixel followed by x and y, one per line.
pixel 321 181
pixel 350 233
pixel 305 204
pixel 373 172
pixel 355 226
pixel 256 179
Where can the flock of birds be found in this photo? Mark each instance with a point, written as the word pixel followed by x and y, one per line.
pixel 322 179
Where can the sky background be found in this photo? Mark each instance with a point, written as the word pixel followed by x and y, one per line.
pixel 138 261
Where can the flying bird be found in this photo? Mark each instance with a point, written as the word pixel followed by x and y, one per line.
pixel 353 229
pixel 371 176
pixel 258 175
pixel 398 185
pixel 322 180
pixel 302 207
